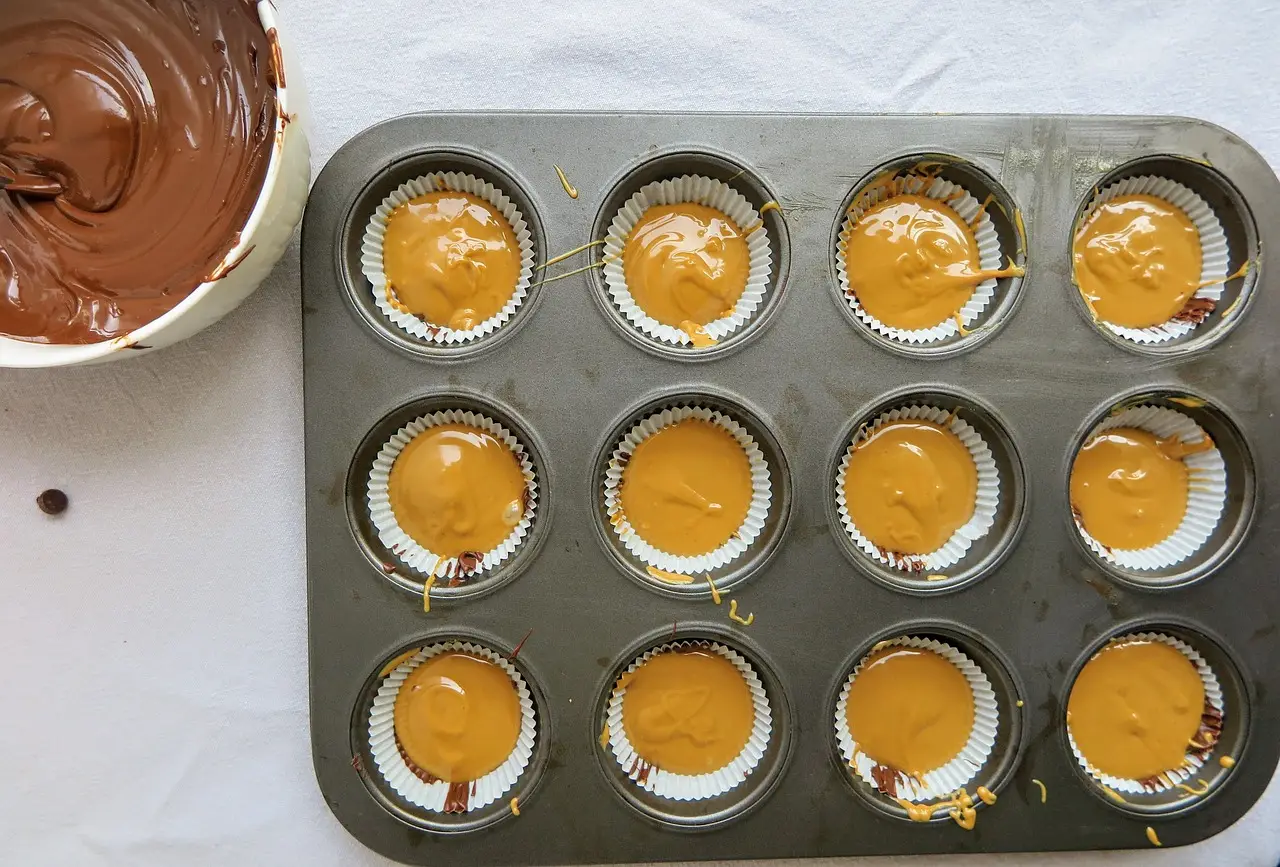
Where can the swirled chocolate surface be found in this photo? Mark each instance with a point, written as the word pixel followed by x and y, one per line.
pixel 134 139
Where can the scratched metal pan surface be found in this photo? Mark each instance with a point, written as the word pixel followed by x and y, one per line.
pixel 568 375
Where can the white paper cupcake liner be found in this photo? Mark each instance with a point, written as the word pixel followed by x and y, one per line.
pixel 697 787
pixel 1213 248
pixel 1206 495
pixel 940 782
pixel 407 549
pixel 739 542
pixel 984 510
pixel 391 762
pixel 990 256
pixel 702 191
pixel 1195 758
pixel 371 261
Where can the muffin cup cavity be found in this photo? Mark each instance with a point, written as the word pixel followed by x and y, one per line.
pixel 684 787
pixel 987 496
pixel 396 556
pixel 989 757
pixel 1229 241
pixel 1000 517
pixel 1206 497
pixel 360 254
pixel 990 256
pixel 960 771
pixel 694 189
pixel 371 256
pixel 757 539
pixel 743 537
pixel 703 801
pixel 1222 495
pixel 409 793
pixel 1214 717
pixel 1213 247
pixel 416 786
pixel 719 181
pixel 1001 237
pixel 409 550
pixel 1226 720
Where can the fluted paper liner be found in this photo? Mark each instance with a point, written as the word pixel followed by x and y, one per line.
pixel 943 781
pixel 431 796
pixel 739 542
pixel 1195 759
pixel 1206 493
pixel 987 495
pixel 407 549
pixel 1213 248
pixel 702 191
pixel 990 256
pixel 686 787
pixel 371 256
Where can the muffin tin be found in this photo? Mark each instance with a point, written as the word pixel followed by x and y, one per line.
pixel 1029 603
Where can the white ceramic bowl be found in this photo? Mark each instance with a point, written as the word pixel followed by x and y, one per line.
pixel 262 242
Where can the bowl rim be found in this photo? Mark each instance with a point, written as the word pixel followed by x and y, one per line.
pixel 39 355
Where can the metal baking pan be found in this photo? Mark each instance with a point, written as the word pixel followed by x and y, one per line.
pixel 1029 603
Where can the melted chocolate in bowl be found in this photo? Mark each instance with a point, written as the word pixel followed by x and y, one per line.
pixel 135 136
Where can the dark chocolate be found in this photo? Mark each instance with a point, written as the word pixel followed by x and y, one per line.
pixel 135 136
pixel 52 501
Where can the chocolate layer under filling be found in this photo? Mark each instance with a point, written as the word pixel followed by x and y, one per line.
pixel 134 139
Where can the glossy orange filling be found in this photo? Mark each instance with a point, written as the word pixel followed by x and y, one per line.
pixel 687 488
pixel 910 709
pixel 1135 708
pixel 913 262
pixel 1137 260
pixel 457 716
pixel 909 486
pixel 688 711
pixel 1129 488
pixel 456 489
pixel 450 258
pixel 685 263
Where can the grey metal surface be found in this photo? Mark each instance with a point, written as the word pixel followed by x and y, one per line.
pixel 568 374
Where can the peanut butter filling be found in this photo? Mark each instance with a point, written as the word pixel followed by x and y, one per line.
pixel 1135 708
pixel 687 488
pixel 913 262
pixel 1129 487
pixel 688 711
pixel 686 263
pixel 456 489
pixel 457 716
pixel 450 258
pixel 909 486
pixel 1137 261
pixel 910 710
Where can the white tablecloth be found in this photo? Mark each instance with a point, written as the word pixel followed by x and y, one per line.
pixel 152 639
